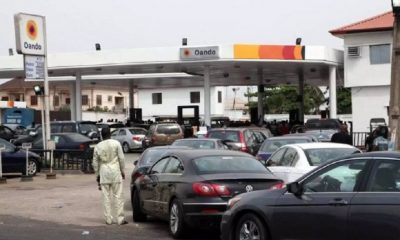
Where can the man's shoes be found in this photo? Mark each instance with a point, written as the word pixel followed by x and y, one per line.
pixel 123 222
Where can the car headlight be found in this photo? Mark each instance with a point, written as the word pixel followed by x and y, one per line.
pixel 233 201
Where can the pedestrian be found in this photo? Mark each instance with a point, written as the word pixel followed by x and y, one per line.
pixel 342 136
pixel 108 164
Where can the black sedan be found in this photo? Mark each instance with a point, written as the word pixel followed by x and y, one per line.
pixel 14 160
pixel 192 187
pixel 355 197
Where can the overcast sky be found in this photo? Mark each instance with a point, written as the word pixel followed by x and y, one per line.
pixel 76 25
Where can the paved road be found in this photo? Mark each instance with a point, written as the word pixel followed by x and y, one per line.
pixel 69 207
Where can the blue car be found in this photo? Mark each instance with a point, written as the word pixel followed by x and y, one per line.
pixel 272 144
pixel 14 159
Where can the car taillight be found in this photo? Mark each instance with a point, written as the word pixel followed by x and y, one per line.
pixel 243 146
pixel 279 185
pixel 210 190
pixel 82 147
pixel 136 138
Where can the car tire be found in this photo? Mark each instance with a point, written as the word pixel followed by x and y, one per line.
pixel 177 226
pixel 250 226
pixel 33 168
pixel 138 215
pixel 125 147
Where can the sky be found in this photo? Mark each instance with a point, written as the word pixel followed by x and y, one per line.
pixel 76 25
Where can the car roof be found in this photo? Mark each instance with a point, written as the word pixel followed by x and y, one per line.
pixel 228 129
pixel 380 154
pixel 320 145
pixel 288 137
pixel 197 139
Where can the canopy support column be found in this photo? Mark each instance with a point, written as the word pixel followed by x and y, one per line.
pixel 332 92
pixel 207 97
pixel 260 99
pixel 78 97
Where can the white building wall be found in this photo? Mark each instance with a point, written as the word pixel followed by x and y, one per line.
pixel 367 103
pixel 358 70
pixel 174 97
pixel 369 83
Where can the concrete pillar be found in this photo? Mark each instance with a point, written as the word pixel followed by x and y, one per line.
pixel 301 97
pixel 207 97
pixel 131 95
pixel 78 97
pixel 332 92
pixel 72 98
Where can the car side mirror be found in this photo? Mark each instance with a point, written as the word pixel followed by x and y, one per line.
pixel 295 188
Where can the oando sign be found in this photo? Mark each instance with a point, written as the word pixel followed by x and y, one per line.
pixel 199 53
pixel 30 34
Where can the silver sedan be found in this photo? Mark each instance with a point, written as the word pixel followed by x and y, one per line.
pixel 130 138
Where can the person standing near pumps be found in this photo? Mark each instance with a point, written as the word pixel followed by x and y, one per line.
pixel 108 164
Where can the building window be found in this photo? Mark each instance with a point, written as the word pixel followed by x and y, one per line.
pixel 219 97
pixel 109 98
pixel 85 100
pixel 4 98
pixel 56 101
pixel 68 101
pixel 98 100
pixel 194 97
pixel 379 54
pixel 34 101
pixel 157 98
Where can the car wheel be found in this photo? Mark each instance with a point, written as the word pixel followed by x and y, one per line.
pixel 250 227
pixel 138 215
pixel 32 168
pixel 176 220
pixel 125 147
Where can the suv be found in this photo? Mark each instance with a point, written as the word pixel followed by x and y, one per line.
pixel 240 139
pixel 86 128
pixel 323 129
pixel 162 134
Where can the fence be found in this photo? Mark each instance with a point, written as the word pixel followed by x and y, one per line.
pixel 359 139
pixel 68 159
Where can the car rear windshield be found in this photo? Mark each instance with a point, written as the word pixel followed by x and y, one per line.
pixel 232 136
pixel 228 164
pixel 78 138
pixel 88 127
pixel 168 129
pixel 319 156
pixel 138 131
pixel 150 156
pixel 322 124
pixel 273 145
pixel 197 144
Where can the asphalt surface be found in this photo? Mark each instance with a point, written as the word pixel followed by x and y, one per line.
pixel 69 208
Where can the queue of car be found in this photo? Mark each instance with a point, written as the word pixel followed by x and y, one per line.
pixel 194 184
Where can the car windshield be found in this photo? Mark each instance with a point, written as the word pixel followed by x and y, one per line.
pixel 197 144
pixel 137 131
pixel 228 164
pixel 88 127
pixel 319 156
pixel 272 145
pixel 232 136
pixel 168 129
pixel 322 124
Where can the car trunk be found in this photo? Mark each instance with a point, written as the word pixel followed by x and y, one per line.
pixel 242 182
pixel 289 174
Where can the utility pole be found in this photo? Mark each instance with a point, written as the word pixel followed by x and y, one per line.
pixel 394 110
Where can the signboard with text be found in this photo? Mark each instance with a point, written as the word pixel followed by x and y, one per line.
pixel 34 67
pixel 30 34
pixel 199 53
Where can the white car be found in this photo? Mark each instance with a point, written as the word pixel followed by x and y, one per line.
pixel 290 162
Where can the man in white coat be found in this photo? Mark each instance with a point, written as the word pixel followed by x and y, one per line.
pixel 109 164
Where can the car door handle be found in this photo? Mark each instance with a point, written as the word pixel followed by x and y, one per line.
pixel 338 202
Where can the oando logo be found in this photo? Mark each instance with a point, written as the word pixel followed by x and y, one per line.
pixel 31 29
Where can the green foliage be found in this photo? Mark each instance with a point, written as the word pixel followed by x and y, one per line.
pixel 282 99
pixel 344 100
